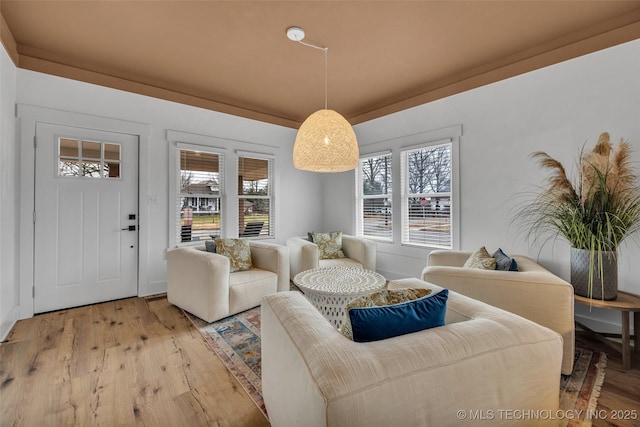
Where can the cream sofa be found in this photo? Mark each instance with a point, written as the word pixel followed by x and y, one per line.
pixel 304 255
pixel 531 292
pixel 200 283
pixel 484 359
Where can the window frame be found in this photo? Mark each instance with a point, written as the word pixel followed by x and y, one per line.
pixel 174 188
pixel 453 194
pixel 360 197
pixel 270 159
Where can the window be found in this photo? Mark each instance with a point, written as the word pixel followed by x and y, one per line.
pixel 199 199
pixel 426 199
pixel 91 159
pixel 374 205
pixel 255 197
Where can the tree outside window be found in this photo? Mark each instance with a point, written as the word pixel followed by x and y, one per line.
pixel 374 205
pixel 427 196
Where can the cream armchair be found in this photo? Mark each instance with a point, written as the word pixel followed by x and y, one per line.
pixel 532 292
pixel 200 282
pixel 304 255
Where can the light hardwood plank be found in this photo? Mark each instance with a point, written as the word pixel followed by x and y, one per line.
pixel 619 402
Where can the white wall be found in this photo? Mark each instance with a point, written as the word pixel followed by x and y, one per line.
pixel 298 206
pixel 9 196
pixel 556 109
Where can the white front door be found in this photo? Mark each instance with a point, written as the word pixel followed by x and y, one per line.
pixel 86 219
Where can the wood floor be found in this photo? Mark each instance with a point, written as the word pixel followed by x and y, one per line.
pixel 128 362
pixel 139 361
pixel 619 402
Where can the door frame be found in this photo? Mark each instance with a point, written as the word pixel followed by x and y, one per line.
pixel 29 116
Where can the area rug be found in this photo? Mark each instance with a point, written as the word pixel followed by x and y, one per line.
pixel 236 341
pixel 579 391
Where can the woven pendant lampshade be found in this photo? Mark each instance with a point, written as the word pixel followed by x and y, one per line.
pixel 325 143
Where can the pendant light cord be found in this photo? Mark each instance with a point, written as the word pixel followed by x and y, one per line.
pixel 326 66
pixel 326 62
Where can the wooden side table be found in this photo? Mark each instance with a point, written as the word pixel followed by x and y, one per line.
pixel 626 303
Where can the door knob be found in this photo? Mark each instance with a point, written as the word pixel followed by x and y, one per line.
pixel 130 228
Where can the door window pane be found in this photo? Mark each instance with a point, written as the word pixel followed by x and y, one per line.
pixel 91 150
pixel 112 152
pixel 69 148
pixel 89 159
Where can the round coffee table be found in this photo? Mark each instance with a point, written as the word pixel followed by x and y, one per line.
pixel 330 289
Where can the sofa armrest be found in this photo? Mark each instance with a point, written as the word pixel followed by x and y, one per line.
pixel 198 281
pixel 274 258
pixel 361 250
pixel 303 255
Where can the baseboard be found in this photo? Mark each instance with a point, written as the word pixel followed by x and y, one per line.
pixel 8 323
pixel 600 325
pixel 152 289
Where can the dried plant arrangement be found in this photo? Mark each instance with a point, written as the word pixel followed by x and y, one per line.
pixel 595 212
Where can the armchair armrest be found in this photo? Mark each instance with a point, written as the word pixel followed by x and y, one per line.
pixel 361 250
pixel 303 255
pixel 447 258
pixel 533 292
pixel 198 281
pixel 274 258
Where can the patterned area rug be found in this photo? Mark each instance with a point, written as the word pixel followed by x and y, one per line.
pixel 236 341
pixel 579 391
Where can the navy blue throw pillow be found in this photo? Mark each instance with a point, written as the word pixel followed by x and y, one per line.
pixel 381 322
pixel 210 246
pixel 504 262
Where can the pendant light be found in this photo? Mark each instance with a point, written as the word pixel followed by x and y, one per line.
pixel 325 141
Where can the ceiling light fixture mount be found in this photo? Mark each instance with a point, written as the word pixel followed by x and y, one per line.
pixel 295 33
pixel 325 141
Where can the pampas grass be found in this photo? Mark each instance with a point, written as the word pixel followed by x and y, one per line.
pixel 597 211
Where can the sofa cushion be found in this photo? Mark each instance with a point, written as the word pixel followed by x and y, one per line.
pixel 481 259
pixel 238 251
pixel 381 316
pixel 504 262
pixel 329 244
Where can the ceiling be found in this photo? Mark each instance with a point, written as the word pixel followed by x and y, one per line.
pixel 234 56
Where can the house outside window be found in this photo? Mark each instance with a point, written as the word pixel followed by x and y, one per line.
pixel 255 197
pixel 374 202
pixel 427 196
pixel 199 199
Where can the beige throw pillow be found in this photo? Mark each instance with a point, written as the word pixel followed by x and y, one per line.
pixel 238 251
pixel 481 259
pixel 329 244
